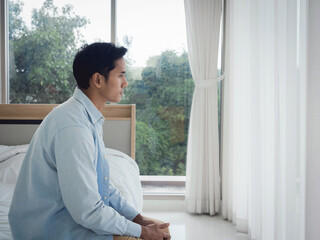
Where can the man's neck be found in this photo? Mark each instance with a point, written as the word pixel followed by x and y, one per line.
pixel 94 98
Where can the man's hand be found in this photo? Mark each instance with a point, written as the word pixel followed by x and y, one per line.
pixel 144 221
pixel 152 229
pixel 155 232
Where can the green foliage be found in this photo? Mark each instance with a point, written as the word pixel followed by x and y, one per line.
pixel 42 55
pixel 163 98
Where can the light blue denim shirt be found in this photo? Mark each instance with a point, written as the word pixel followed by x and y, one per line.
pixel 63 190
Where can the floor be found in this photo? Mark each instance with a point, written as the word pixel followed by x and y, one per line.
pixel 185 226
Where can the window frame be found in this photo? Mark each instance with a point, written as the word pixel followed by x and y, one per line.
pixel 4 85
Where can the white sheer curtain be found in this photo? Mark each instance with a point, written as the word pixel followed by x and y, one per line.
pixel 203 180
pixel 264 118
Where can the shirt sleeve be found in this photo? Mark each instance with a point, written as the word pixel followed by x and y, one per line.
pixel 74 154
pixel 120 204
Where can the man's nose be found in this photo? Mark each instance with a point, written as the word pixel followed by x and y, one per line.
pixel 125 83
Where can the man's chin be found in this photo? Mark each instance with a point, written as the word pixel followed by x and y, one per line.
pixel 114 101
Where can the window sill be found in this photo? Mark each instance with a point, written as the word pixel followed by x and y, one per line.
pixel 163 187
pixel 163 180
pixel 163 196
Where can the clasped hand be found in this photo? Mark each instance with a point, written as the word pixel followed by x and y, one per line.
pixel 155 231
pixel 152 230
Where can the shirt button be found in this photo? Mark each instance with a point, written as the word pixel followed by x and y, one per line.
pixel 104 197
pixel 100 134
pixel 105 156
pixel 106 178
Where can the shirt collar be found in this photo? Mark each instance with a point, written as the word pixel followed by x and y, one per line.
pixel 93 112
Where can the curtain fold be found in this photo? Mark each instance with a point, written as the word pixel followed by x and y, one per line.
pixel 203 178
pixel 264 106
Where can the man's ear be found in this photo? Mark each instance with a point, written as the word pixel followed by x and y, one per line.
pixel 96 80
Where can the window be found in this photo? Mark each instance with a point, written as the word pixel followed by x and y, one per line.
pixel 45 34
pixel 160 81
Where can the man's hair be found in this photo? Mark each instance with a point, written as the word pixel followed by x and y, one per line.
pixel 95 58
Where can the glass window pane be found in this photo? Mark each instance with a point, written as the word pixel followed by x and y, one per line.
pixel 44 36
pixel 160 81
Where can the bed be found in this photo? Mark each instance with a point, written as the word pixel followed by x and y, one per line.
pixel 18 122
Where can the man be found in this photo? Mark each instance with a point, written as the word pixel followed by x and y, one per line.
pixel 63 190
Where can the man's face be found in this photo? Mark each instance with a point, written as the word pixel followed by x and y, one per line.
pixel 112 90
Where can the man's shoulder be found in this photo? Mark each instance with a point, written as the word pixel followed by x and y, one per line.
pixel 68 114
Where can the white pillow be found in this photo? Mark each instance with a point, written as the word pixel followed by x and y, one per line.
pixel 124 174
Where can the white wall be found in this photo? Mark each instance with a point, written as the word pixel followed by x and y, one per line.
pixel 313 124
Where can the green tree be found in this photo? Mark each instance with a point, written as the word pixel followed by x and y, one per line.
pixel 163 98
pixel 42 55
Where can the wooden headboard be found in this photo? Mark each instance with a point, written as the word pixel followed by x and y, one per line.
pixel 18 122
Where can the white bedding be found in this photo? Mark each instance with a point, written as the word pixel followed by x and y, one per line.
pixel 124 174
pixel 6 191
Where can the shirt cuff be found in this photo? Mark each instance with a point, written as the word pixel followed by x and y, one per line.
pixel 129 212
pixel 133 229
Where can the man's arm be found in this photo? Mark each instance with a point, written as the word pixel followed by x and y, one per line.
pixel 74 154
pixel 150 229
pixel 120 204
pixel 144 221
